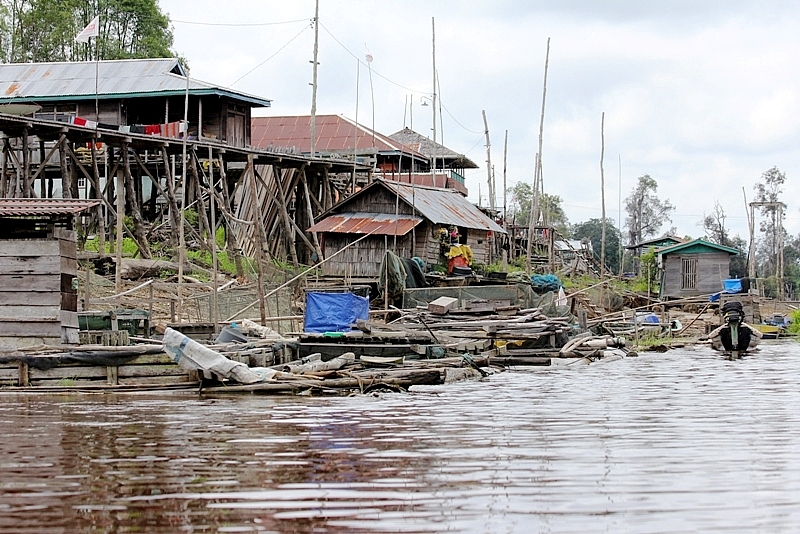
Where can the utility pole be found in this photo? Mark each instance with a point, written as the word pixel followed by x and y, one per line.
pixel 602 197
pixel 506 253
pixel 537 174
pixel 433 103
pixel 314 84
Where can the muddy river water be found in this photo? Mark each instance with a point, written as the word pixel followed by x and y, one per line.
pixel 670 443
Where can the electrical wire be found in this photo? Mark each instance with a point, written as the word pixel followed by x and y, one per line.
pixel 456 120
pixel 270 57
pixel 374 71
pixel 240 25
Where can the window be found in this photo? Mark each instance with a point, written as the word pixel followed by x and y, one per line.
pixel 688 273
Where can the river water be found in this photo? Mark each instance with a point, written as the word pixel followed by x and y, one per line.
pixel 678 442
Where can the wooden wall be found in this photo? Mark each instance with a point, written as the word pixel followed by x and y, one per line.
pixel 712 268
pixel 364 259
pixel 30 289
pixel 37 301
pixel 379 200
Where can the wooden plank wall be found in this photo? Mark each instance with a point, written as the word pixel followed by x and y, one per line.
pixel 30 288
pixel 68 250
pixel 712 268
pixel 364 259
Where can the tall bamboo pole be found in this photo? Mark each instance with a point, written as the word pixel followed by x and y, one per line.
pixel 602 197
pixel 506 257
pixel 537 180
pixel 214 266
pixel 314 83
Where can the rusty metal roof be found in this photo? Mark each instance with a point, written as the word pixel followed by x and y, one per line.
pixel 442 206
pixel 25 207
pixel 366 223
pixel 334 133
pixel 425 145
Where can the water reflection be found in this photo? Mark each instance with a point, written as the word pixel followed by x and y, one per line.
pixel 684 441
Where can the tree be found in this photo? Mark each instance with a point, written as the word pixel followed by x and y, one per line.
pixel 646 212
pixel 551 209
pixel 714 225
pixel 593 230
pixel 768 193
pixel 45 30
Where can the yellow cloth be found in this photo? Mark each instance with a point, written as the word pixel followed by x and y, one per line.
pixel 460 250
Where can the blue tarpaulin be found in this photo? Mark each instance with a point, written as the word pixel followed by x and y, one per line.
pixel 333 312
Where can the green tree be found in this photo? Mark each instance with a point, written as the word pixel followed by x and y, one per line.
pixel 593 231
pixel 714 225
pixel 552 211
pixel 45 30
pixel 768 192
pixel 646 212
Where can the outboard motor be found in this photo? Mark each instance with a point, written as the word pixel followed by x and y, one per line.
pixel 734 338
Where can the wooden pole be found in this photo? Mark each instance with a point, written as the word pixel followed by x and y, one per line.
pixel 299 276
pixel 537 175
pixel 101 218
pixel 4 192
pixel 231 243
pixel 27 191
pixel 310 212
pixel 66 190
pixel 214 267
pixel 602 198
pixel 433 103
pixel 133 202
pixel 120 213
pixel 260 237
pixel 314 83
pixel 506 253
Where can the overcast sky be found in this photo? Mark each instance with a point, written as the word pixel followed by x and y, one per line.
pixel 702 95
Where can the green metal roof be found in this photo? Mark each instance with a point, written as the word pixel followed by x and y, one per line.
pixel 696 246
pixel 111 79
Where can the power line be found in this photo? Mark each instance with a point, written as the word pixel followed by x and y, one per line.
pixel 240 25
pixel 270 57
pixel 362 63
pixel 456 120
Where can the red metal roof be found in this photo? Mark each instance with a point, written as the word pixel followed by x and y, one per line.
pixel 20 207
pixel 334 134
pixel 366 223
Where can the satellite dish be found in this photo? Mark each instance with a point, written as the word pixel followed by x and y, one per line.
pixel 19 109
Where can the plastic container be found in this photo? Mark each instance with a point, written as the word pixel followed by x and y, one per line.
pixel 230 335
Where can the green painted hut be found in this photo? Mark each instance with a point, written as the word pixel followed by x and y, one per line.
pixel 693 268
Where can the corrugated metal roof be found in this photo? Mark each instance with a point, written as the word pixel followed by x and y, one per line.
pixel 23 207
pixel 366 223
pixel 333 134
pixel 426 146
pixel 115 78
pixel 443 206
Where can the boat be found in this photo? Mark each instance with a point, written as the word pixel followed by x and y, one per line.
pixel 768 331
pixel 734 337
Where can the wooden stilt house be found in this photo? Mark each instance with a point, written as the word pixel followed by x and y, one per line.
pixel 406 219
pixel 38 269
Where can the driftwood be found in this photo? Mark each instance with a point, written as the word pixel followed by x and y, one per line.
pixel 134 269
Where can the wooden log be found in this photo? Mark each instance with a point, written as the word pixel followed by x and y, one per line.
pixel 318 365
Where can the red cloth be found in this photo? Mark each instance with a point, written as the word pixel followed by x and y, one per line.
pixel 152 129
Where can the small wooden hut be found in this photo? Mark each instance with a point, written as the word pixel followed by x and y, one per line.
pixel 693 268
pixel 38 269
pixel 406 219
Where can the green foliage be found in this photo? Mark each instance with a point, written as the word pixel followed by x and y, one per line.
pixel 191 216
pixel 794 326
pixel 552 211
pixel 225 262
pixel 45 30
pixel 593 230
pixel 129 248
pixel 646 212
